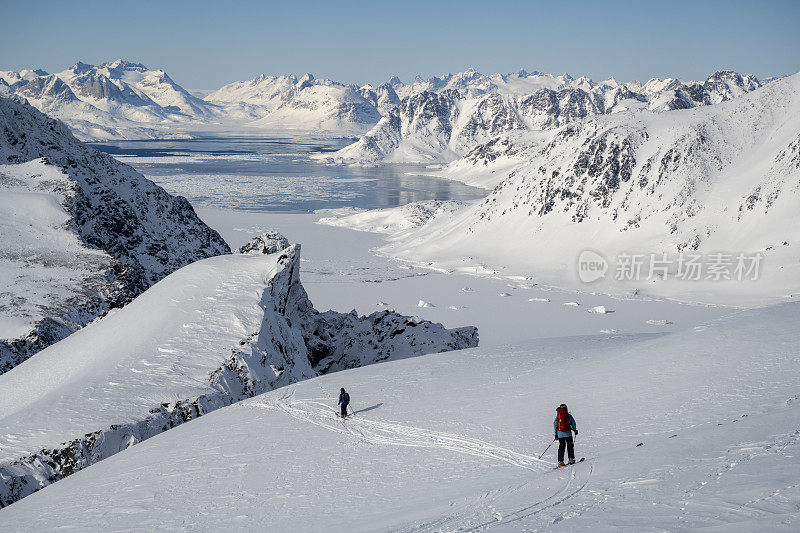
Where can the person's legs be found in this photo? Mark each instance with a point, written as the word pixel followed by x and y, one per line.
pixel 562 443
pixel 570 448
pixel 344 410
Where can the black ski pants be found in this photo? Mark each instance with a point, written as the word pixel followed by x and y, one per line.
pixel 565 442
pixel 344 412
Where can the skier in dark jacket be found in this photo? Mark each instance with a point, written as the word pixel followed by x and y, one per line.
pixel 563 426
pixel 344 400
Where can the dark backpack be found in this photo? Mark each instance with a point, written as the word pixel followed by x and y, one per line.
pixel 345 398
pixel 562 420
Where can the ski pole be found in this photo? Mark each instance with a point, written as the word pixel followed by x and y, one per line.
pixel 548 447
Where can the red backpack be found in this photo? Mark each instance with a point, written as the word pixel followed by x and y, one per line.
pixel 562 420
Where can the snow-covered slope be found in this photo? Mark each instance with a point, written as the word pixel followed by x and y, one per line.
pixel 444 118
pixel 82 232
pixel 715 179
pixel 255 98
pixel 697 429
pixel 210 334
pixel 393 220
pixel 322 105
pixel 305 104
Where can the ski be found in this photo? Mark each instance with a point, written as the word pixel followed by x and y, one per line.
pixel 582 459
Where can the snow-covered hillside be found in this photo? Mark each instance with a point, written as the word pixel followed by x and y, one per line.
pixel 717 181
pixel 322 105
pixel 305 104
pixel 697 429
pixel 255 98
pixel 444 118
pixel 82 232
pixel 210 334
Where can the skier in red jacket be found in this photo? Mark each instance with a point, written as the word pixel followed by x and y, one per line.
pixel 563 426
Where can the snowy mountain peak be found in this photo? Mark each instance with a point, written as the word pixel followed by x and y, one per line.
pixel 121 65
pixel 307 80
pixel 50 88
pixel 727 84
pixel 32 73
pixel 80 67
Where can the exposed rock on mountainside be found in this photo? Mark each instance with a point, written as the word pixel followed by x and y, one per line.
pixel 384 98
pixel 425 119
pixel 129 231
pixel 267 243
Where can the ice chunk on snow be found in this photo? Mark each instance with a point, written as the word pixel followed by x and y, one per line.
pixel 599 309
pixel 572 304
pixel 660 322
pixel 539 299
pixel 466 289
pixel 504 294
pixel 423 303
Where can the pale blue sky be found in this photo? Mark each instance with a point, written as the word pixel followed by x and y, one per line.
pixel 203 45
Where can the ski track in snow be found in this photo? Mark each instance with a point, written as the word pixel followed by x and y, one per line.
pixel 379 432
pixel 486 511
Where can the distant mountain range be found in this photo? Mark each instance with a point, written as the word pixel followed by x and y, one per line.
pixel 438 119
pixel 442 119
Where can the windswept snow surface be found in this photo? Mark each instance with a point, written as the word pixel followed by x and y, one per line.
pixel 451 442
pixel 159 348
